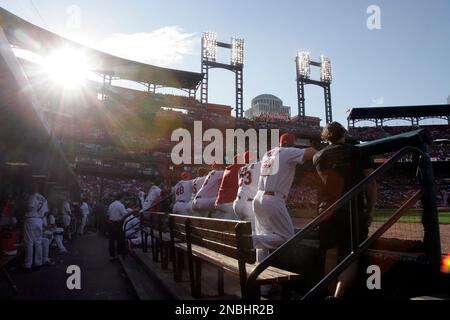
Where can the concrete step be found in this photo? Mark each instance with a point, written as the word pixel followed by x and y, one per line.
pixel 145 286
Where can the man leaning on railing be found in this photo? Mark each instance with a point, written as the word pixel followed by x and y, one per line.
pixel 341 166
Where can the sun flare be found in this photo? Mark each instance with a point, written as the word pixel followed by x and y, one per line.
pixel 67 68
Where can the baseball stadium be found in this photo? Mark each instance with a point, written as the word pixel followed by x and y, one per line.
pixel 88 180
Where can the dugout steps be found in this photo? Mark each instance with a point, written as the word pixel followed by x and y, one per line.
pixel 143 284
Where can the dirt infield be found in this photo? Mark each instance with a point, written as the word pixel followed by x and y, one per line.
pixel 401 230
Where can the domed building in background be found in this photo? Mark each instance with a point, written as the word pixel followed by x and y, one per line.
pixel 268 105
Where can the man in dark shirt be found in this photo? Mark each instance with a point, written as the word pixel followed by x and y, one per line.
pixel 340 167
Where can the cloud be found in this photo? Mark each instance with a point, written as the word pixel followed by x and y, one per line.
pixel 377 101
pixel 166 46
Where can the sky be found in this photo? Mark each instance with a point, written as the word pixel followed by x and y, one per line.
pixel 403 62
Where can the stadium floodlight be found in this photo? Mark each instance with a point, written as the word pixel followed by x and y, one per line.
pixel 303 64
pixel 325 69
pixel 209 46
pixel 237 52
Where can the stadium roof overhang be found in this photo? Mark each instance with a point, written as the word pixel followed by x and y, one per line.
pixel 28 148
pixel 30 37
pixel 400 112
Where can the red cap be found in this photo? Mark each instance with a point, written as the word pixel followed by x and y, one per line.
pixel 287 140
pixel 184 175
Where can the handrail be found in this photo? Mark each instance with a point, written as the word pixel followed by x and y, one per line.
pixel 136 217
pixel 251 280
pixel 354 255
pixel 124 228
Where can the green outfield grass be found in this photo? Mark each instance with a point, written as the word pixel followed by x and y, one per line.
pixel 413 216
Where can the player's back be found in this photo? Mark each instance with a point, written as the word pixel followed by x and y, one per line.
pixel 249 179
pixel 183 191
pixel 211 185
pixel 278 169
pixel 197 185
pixel 229 185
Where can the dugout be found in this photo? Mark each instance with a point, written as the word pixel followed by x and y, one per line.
pixel 28 154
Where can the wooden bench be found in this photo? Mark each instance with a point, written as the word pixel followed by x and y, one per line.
pixel 225 244
pixel 153 225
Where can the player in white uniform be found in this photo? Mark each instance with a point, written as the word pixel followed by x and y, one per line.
pixel 85 211
pixel 152 199
pixel 273 224
pixel 66 218
pixel 204 202
pixel 52 232
pixel 32 237
pixel 248 187
pixel 141 197
pixel 183 194
pixel 197 184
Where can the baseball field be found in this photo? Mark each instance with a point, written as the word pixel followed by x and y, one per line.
pixel 409 226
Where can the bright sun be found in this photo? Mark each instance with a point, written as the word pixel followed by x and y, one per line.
pixel 67 68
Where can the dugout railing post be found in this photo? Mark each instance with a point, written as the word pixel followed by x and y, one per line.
pixel 430 218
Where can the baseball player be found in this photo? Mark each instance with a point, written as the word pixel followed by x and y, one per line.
pixel 227 192
pixel 52 232
pixel 197 183
pixel 204 202
pixel 273 225
pixel 141 197
pixel 85 211
pixel 66 218
pixel 183 194
pixel 32 238
pixel 152 199
pixel 248 187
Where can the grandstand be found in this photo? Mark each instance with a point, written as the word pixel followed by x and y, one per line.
pixel 396 187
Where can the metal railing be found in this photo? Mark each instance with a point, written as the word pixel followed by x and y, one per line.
pixel 125 227
pixel 251 286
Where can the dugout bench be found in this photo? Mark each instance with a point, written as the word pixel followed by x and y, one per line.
pixel 225 244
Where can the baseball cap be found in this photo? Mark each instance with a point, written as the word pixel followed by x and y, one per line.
pixel 184 175
pixel 287 140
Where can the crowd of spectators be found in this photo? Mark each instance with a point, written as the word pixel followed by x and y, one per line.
pixel 372 133
pixel 96 187
pixel 440 150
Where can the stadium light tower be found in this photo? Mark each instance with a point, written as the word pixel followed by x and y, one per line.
pixel 209 46
pixel 303 65
pixel 236 65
